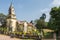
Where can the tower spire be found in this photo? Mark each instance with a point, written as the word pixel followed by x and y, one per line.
pixel 11 5
pixel 12 11
pixel 11 1
pixel 11 8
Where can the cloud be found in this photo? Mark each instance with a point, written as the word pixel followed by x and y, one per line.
pixel 55 3
pixel 52 4
pixel 47 10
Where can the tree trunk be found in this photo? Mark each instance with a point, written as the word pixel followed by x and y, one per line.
pixel 54 35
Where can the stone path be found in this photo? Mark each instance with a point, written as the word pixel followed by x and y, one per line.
pixel 4 37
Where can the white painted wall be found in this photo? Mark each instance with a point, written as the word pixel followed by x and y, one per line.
pixel 25 27
pixel 11 23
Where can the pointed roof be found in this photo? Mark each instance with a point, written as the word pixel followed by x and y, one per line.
pixel 11 9
pixel 11 12
pixel 11 6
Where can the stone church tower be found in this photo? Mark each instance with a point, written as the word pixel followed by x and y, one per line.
pixel 11 19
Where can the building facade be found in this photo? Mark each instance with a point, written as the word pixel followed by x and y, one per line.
pixel 25 27
pixel 14 25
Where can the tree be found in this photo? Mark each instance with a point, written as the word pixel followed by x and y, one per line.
pixel 41 22
pixel 54 22
pixel 2 20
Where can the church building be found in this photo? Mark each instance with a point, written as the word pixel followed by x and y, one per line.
pixel 13 24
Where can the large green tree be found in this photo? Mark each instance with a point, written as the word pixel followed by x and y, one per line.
pixel 54 22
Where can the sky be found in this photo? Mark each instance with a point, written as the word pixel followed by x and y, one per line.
pixel 27 10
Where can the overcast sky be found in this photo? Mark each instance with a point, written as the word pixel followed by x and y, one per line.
pixel 29 9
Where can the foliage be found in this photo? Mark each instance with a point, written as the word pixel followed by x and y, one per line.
pixel 54 22
pixel 3 19
pixel 3 30
pixel 19 33
pixel 40 23
pixel 48 35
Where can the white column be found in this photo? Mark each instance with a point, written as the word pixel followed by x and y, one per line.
pixel 25 27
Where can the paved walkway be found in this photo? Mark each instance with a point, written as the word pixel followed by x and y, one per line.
pixel 4 37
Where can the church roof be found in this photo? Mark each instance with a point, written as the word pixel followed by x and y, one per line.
pixel 22 22
pixel 30 24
